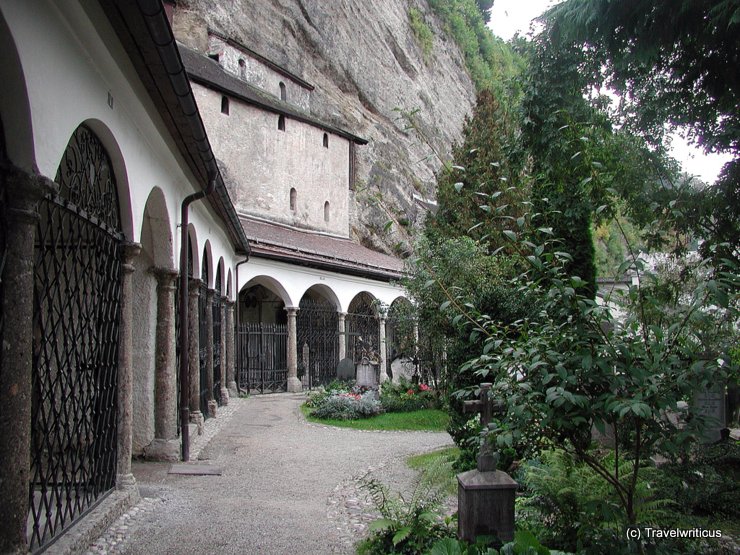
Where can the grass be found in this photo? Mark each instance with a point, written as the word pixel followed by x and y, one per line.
pixel 428 461
pixel 431 420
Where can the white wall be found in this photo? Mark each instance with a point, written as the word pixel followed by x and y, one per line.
pixel 290 282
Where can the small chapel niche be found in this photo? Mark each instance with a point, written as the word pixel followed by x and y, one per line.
pixel 281 123
pixel 293 195
pixel 283 91
pixel 327 212
pixel 225 105
pixel 326 140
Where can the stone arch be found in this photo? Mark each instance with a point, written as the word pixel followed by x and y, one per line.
pixel 273 285
pixel 156 231
pixel 14 105
pixel 219 282
pixel 362 328
pixel 206 270
pixel 125 206
pixel 324 291
pixel 193 257
pixel 317 334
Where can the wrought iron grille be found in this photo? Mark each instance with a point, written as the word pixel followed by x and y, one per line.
pixel 317 331
pixel 217 347
pixel 77 289
pixel 203 347
pixel 361 326
pixel 3 235
pixel 263 357
pixel 177 348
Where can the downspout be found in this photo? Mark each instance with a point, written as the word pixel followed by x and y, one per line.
pixel 238 321
pixel 184 316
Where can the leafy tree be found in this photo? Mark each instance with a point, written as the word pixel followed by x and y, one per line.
pixel 671 61
pixel 487 166
pixel 566 368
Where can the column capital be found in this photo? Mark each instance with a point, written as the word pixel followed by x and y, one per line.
pixel 292 310
pixel 25 188
pixel 130 251
pixel 341 315
pixel 165 276
pixel 210 293
pixel 194 286
pixel 224 300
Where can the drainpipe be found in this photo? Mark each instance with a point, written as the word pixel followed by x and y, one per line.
pixel 184 315
pixel 238 321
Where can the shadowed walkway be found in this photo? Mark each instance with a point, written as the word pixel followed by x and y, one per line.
pixel 278 473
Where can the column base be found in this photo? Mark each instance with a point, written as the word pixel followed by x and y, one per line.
pixel 125 481
pixel 224 396
pixel 233 389
pixel 295 385
pixel 197 419
pixel 163 450
pixel 212 409
pixel 382 378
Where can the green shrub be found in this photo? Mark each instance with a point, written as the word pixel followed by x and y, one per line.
pixel 347 407
pixel 411 525
pixel 406 397
pixel 422 33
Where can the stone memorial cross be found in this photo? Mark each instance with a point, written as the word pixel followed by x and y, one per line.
pixel 487 407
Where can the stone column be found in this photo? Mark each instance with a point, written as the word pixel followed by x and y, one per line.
pixel 212 404
pixel 196 416
pixel 230 350
pixel 342 337
pixel 22 194
pixel 222 350
pixel 166 445
pixel 382 348
pixel 294 384
pixel 125 479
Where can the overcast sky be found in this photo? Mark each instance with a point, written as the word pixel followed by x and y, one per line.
pixel 510 16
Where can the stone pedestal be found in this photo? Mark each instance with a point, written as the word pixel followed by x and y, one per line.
pixel 222 351
pixel 485 504
pixel 22 195
pixel 166 444
pixel 230 350
pixel 366 373
pixel 383 376
pixel 124 477
pixel 196 417
pixel 294 384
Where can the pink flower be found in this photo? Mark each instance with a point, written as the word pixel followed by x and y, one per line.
pixel 410 392
pixel 424 387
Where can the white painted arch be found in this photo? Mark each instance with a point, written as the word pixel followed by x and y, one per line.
pixel 290 282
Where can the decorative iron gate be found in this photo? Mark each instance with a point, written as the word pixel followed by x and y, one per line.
pixel 263 357
pixel 317 331
pixel 362 330
pixel 203 343
pixel 217 339
pixel 77 289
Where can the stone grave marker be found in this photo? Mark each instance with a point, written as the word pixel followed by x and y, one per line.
pixel 711 404
pixel 346 369
pixel 485 496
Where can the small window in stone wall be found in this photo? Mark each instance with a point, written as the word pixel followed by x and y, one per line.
pixel 242 68
pixel 326 140
pixel 225 105
pixel 283 92
pixel 281 123
pixel 293 195
pixel 327 212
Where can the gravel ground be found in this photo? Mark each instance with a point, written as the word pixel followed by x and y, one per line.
pixel 287 486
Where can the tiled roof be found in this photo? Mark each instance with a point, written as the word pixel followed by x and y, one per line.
pixel 317 250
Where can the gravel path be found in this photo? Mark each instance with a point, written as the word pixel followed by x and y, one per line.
pixel 287 486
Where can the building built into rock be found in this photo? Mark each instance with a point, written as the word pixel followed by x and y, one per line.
pixel 110 140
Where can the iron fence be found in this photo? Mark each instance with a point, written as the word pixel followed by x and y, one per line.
pixel 262 357
pixel 317 331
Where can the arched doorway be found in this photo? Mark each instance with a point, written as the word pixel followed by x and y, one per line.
pixel 401 339
pixel 362 327
pixel 77 295
pixel 216 311
pixel 262 364
pixel 317 332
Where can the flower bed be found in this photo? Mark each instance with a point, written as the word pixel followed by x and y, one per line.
pixel 345 401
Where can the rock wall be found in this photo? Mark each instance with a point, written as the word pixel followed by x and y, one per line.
pixel 367 67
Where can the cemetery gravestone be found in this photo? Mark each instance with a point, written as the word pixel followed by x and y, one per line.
pixel 346 369
pixel 485 496
pixel 711 405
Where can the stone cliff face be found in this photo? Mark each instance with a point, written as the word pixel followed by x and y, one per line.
pixel 366 65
